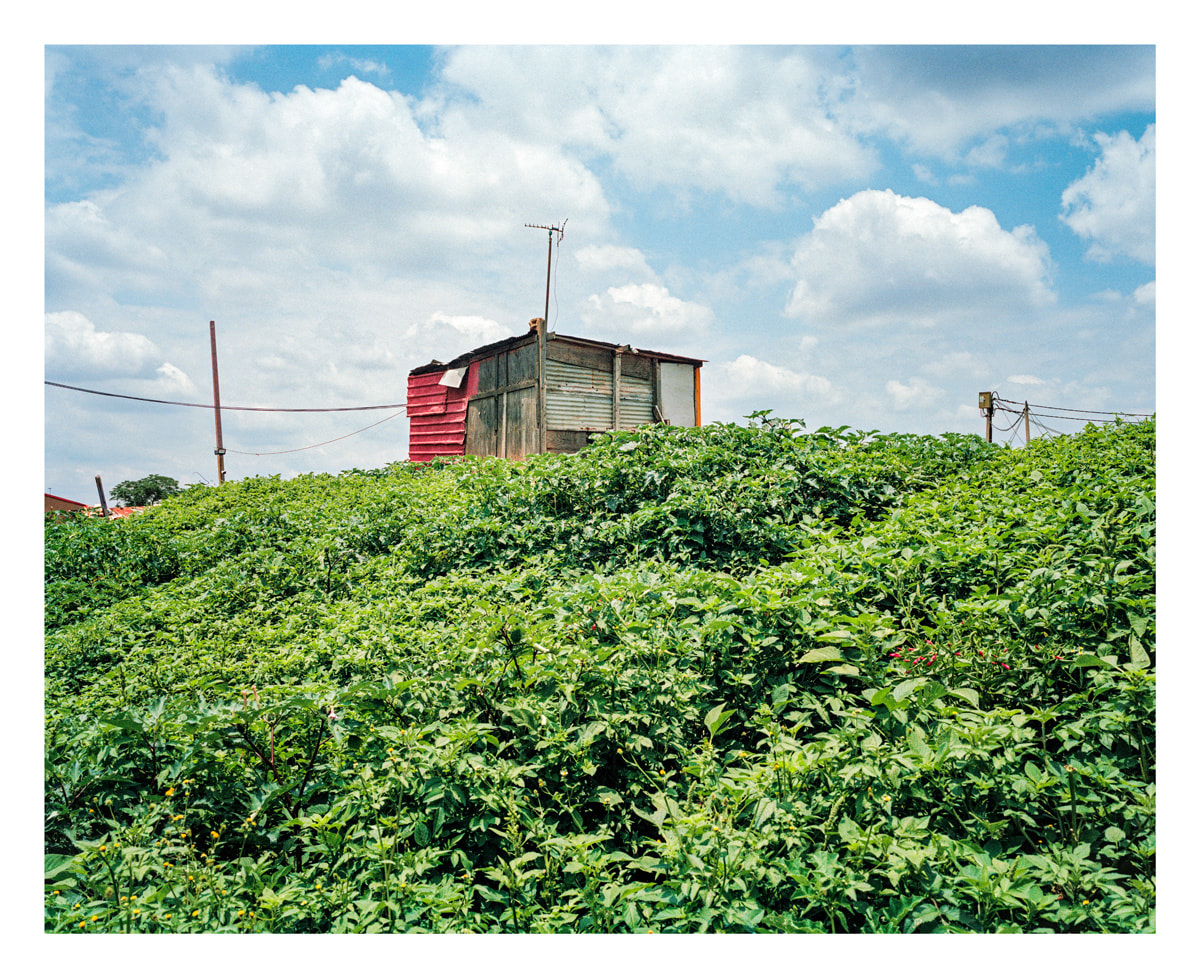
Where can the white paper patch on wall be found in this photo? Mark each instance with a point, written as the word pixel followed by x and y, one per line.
pixel 453 378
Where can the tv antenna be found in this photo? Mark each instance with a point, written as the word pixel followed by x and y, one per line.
pixel 550 232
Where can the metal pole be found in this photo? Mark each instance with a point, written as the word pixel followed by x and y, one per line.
pixel 549 252
pixel 220 452
pixel 541 388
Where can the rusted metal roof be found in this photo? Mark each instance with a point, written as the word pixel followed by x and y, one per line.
pixel 498 345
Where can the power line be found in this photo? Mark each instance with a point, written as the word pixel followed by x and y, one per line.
pixel 1045 429
pixel 224 407
pixel 1016 420
pixel 991 402
pixel 228 407
pixel 1048 407
pixel 1068 417
pixel 289 451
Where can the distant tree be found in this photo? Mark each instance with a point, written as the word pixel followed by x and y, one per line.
pixel 143 492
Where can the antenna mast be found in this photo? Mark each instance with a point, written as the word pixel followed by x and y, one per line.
pixel 550 232
pixel 541 334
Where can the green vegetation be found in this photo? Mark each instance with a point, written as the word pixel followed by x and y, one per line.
pixel 146 490
pixel 742 678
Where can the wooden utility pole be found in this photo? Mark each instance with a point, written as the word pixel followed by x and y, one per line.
pixel 103 502
pixel 220 452
pixel 987 410
pixel 1026 424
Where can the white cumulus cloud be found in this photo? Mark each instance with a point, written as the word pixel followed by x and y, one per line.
pixel 75 348
pixel 742 122
pixel 1113 205
pixel 465 330
pixel 646 308
pixel 751 374
pixel 879 258
pixel 606 258
pixel 973 99
pixel 917 393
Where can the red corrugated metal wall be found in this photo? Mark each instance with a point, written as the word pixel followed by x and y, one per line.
pixel 437 415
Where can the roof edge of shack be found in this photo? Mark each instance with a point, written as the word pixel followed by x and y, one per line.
pixel 499 345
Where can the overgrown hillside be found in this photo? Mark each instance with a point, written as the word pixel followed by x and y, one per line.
pixel 740 678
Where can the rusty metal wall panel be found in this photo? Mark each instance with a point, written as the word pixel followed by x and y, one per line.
pixel 637 400
pixel 578 398
pixel 565 442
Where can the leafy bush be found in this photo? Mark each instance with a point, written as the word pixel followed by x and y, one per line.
pixel 740 678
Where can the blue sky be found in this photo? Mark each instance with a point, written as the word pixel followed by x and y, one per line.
pixel 863 236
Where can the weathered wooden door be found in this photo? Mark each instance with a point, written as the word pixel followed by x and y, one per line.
pixel 502 415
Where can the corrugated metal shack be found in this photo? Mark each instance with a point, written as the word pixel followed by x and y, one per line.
pixel 542 392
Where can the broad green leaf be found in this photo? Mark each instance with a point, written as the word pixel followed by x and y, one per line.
pixel 837 633
pixel 916 740
pixel 827 653
pixel 964 693
pixel 1138 657
pixel 655 818
pixel 57 864
pixel 715 718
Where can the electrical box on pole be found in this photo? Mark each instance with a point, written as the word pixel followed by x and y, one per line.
pixel 986 409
